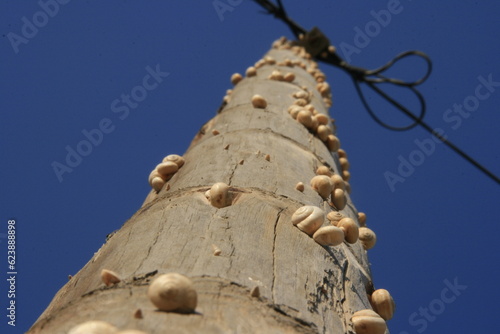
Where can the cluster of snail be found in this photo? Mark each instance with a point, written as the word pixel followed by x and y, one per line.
pixel 164 171
pixel 330 185
pixel 170 292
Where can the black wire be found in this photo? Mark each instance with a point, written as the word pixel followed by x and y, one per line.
pixel 372 77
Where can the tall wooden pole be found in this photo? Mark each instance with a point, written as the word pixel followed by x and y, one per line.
pixel 261 153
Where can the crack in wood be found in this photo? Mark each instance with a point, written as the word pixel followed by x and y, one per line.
pixel 274 253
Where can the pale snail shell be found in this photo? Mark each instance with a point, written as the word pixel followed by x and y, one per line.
pixel 334 217
pixel 323 131
pixel 177 159
pixel 157 183
pixel 276 75
pixel 338 199
pixel 351 230
pixel 301 95
pixel 383 303
pixel 323 170
pixel 294 110
pixel 322 184
pixel 367 237
pixel 341 153
pixel 362 218
pixel 167 168
pixel 304 117
pixel 94 327
pixel 300 186
pixel 338 181
pixel 322 119
pixel 344 163
pixel 219 195
pixel 109 277
pixel 259 102
pixel 235 78
pixel 308 218
pixel 173 292
pixel 251 71
pixel 333 143
pixel 368 322
pixel 289 77
pixel 329 236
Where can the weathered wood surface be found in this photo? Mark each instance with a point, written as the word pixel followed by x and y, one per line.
pixel 304 287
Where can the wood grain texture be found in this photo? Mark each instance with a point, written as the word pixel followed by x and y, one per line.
pixel 304 287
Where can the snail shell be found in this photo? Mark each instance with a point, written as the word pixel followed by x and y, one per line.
pixel 329 236
pixel 219 195
pixel 177 159
pixel 338 181
pixel 235 78
pixel 308 218
pixel 322 184
pixel 383 303
pixel 173 292
pixel 368 322
pixel 109 277
pixel 338 199
pixel 333 143
pixel 323 170
pixel 94 327
pixel 167 168
pixel 367 237
pixel 351 230
pixel 362 218
pixel 300 186
pixel 251 71
pixel 304 117
pixel 259 102
pixel 334 217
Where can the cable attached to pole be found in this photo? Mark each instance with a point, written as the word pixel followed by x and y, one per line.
pixel 318 45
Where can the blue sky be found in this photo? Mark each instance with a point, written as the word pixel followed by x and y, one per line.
pixel 437 227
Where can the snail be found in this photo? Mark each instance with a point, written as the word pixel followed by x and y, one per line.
pixel 367 237
pixel 235 78
pixel 322 184
pixel 300 186
pixel 109 277
pixel 251 72
pixel 368 322
pixel 383 303
pixel 94 327
pixel 334 217
pixel 362 218
pixel 259 102
pixel 219 195
pixel 333 143
pixel 351 230
pixel 177 159
pixel 173 292
pixel 308 219
pixel 329 236
pixel 338 198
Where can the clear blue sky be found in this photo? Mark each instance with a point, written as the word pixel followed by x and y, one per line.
pixel 439 227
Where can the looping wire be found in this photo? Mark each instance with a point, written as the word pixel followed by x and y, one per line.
pixel 370 78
